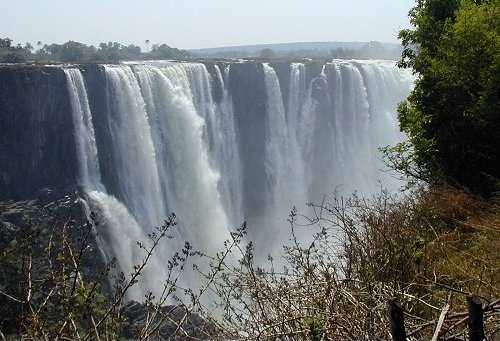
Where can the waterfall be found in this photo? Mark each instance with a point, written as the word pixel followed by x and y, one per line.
pixel 168 144
pixel 111 212
pixel 190 180
pixel 132 145
pixel 88 164
pixel 283 160
pixel 277 149
pixel 226 154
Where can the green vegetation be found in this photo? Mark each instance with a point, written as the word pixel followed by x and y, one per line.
pixel 452 115
pixel 267 54
pixel 75 52
pixel 317 51
pixel 13 54
pixel 429 248
pixel 370 50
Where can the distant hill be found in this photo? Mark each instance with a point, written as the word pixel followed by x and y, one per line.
pixel 333 49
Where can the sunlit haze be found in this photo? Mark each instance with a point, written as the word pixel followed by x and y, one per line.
pixel 200 23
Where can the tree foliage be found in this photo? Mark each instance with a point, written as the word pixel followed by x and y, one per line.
pixel 13 54
pixel 267 53
pixel 76 52
pixel 452 115
pixel 164 51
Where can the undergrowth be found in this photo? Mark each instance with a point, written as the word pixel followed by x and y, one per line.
pixel 428 249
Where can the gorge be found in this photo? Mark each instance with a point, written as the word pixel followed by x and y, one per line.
pixel 218 143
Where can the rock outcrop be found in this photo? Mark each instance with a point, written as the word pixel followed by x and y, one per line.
pixel 37 149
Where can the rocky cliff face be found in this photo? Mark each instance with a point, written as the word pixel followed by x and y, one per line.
pixel 247 88
pixel 37 150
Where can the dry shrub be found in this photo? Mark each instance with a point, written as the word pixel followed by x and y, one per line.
pixel 51 297
pixel 443 206
pixel 333 286
pixel 466 230
pixel 364 252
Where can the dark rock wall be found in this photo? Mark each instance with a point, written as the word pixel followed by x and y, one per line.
pixel 217 90
pixel 37 149
pixel 283 70
pixel 248 91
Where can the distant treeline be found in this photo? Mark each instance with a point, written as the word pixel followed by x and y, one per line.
pixel 75 52
pixel 369 50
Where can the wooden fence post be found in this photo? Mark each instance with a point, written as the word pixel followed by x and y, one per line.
pixel 396 320
pixel 475 322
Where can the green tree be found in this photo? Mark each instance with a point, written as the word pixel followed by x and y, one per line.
pixel 13 54
pixel 373 49
pixel 164 51
pixel 28 47
pixel 267 53
pixel 5 43
pixel 110 51
pixel 452 115
pixel 12 57
pixel 71 51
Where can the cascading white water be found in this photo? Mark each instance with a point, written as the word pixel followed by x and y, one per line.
pixel 296 163
pixel 190 180
pixel 176 149
pixel 347 114
pixel 354 122
pixel 111 212
pixel 136 167
pixel 277 149
pixel 283 159
pixel 222 139
pixel 88 168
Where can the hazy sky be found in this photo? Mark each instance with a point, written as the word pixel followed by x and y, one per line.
pixel 202 23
